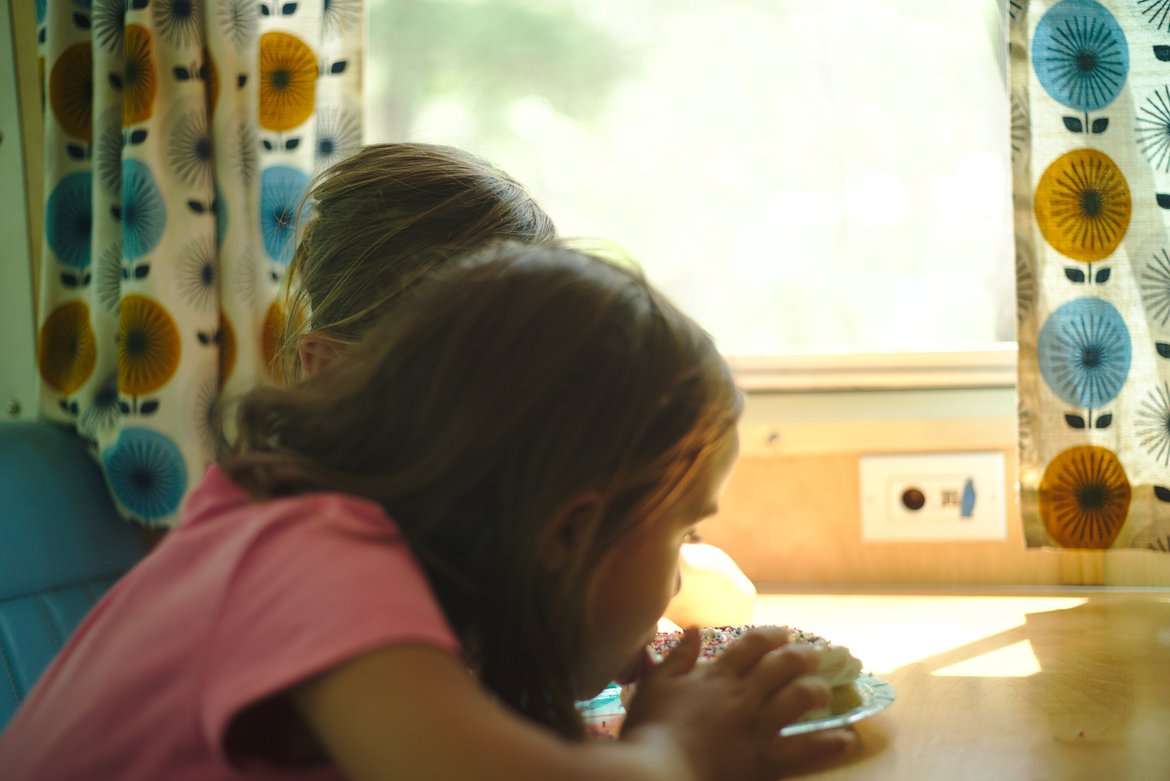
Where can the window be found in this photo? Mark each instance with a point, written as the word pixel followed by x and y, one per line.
pixel 801 176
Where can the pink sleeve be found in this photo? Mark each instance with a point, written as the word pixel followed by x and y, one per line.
pixel 312 592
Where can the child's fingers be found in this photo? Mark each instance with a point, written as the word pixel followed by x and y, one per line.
pixel 683 656
pixel 790 703
pixel 778 668
pixel 789 754
pixel 745 653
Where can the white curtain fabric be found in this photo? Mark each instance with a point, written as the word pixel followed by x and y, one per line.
pixel 179 138
pixel 1091 151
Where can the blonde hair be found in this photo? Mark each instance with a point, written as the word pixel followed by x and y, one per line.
pixel 506 385
pixel 381 220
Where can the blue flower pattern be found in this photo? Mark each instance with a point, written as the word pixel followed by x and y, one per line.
pixel 69 219
pixel 281 190
pixel 1080 55
pixel 144 213
pixel 146 472
pixel 1084 352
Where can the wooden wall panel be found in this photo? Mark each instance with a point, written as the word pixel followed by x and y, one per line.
pixel 795 519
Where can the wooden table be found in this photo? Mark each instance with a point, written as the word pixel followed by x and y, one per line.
pixel 1063 685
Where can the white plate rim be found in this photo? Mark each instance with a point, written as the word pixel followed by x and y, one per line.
pixel 876 696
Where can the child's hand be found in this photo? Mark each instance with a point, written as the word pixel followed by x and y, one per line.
pixel 724 717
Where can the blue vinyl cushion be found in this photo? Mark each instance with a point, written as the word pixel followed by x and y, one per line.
pixel 62 545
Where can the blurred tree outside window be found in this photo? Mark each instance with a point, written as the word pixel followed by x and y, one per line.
pixel 801 176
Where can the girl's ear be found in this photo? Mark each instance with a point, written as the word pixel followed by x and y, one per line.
pixel 566 532
pixel 315 351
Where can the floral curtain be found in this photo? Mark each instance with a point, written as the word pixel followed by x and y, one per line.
pixel 1091 147
pixel 179 138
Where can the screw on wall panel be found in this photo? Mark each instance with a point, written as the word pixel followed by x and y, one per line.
pixel 773 440
pixel 13 408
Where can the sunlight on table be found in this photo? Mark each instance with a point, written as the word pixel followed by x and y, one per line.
pixel 891 631
pixel 1017 660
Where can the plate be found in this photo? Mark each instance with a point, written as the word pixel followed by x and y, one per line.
pixel 876 696
pixel 603 714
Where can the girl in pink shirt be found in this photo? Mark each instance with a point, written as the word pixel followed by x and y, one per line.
pixel 412 564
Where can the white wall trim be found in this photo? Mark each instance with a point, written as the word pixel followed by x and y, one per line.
pixel 18 373
pixel 983 367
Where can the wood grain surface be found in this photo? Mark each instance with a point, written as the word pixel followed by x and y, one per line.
pixel 1063 685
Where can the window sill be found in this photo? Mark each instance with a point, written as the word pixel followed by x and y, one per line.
pixel 986 367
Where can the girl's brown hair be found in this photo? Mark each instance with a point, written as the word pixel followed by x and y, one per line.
pixel 382 219
pixel 505 386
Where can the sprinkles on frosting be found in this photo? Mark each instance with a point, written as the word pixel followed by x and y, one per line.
pixel 716 639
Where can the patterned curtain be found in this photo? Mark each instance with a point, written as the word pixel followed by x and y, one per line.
pixel 179 138
pixel 1091 143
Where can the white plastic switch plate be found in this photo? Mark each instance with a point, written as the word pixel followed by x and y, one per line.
pixel 914 497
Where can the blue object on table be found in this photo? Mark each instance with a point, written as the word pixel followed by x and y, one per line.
pixel 62 545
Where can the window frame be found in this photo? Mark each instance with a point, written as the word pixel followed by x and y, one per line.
pixel 986 366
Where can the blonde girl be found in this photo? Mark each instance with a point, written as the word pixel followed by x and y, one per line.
pixel 411 564
pixel 380 221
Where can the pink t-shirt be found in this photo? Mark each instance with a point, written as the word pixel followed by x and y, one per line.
pixel 241 601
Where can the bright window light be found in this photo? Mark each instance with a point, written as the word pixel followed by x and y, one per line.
pixel 801 176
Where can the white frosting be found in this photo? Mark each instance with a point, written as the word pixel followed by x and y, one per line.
pixel 837 666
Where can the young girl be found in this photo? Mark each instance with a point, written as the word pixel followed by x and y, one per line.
pixel 382 220
pixel 411 565
pixel 388 216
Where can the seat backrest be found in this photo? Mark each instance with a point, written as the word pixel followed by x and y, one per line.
pixel 62 545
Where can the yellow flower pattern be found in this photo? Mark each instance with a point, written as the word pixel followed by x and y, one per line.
pixel 288 81
pixel 139 76
pixel 1084 497
pixel 67 349
pixel 148 346
pixel 1083 205
pixel 71 91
